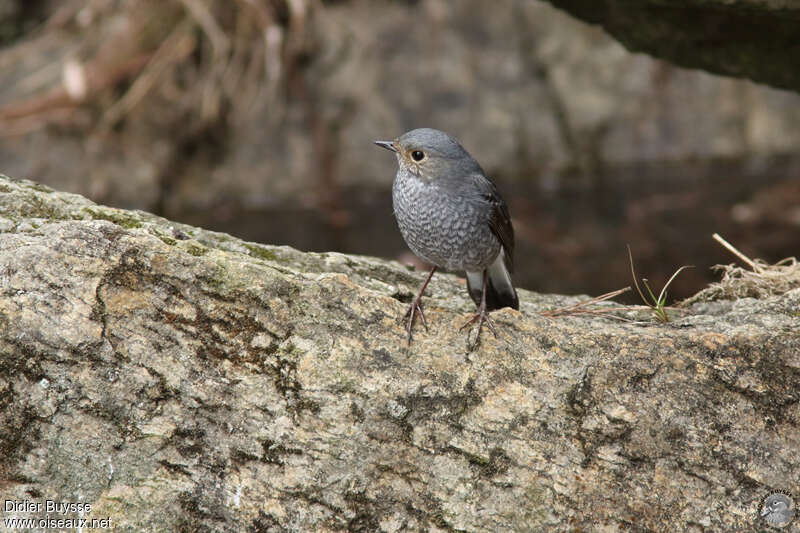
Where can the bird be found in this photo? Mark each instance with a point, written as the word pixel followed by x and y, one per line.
pixel 452 216
pixel 778 509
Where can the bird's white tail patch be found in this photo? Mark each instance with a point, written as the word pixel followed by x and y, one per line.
pixel 498 271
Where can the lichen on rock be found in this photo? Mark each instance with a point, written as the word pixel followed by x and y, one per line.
pixel 182 380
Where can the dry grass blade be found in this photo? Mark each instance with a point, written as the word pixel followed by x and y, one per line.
pixel 583 307
pixel 760 281
pixel 717 237
pixel 633 274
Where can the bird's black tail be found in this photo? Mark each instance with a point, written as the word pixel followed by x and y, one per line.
pixel 500 290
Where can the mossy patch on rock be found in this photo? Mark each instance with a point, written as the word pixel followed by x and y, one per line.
pixel 124 219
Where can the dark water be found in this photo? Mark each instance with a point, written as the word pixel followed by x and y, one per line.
pixel 572 239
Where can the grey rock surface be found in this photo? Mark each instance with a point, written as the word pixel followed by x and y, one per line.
pixel 183 380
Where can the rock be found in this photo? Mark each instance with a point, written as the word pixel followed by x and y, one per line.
pixel 732 37
pixel 177 379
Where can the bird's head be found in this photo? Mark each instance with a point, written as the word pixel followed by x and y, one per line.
pixel 431 154
pixel 776 505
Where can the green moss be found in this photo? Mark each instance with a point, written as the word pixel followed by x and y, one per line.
pixel 120 218
pixel 196 250
pixel 35 207
pixel 167 240
pixel 475 459
pixel 261 252
pixel 217 281
pixel 41 188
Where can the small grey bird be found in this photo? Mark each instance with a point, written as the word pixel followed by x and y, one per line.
pixel 452 216
pixel 778 509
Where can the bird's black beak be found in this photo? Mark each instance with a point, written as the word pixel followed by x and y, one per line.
pixel 389 145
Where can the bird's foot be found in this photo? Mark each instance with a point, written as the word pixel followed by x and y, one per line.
pixel 481 316
pixel 413 310
pixel 416 307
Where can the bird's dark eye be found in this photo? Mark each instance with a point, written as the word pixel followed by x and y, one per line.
pixel 417 155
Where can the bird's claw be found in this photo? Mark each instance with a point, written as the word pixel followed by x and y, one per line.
pixel 414 309
pixel 482 316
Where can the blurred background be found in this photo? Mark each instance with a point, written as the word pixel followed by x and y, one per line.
pixel 256 117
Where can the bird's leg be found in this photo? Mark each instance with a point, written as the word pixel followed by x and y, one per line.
pixel 416 307
pixel 481 316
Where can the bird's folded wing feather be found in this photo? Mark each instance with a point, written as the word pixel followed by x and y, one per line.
pixel 499 219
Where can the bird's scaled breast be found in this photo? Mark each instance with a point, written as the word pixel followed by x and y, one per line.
pixel 441 227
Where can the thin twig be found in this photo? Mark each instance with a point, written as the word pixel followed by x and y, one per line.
pixel 177 46
pixel 737 253
pixel 633 273
pixel 203 16
pixel 36 112
pixel 582 307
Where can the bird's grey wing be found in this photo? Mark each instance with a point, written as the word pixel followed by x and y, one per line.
pixel 499 218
